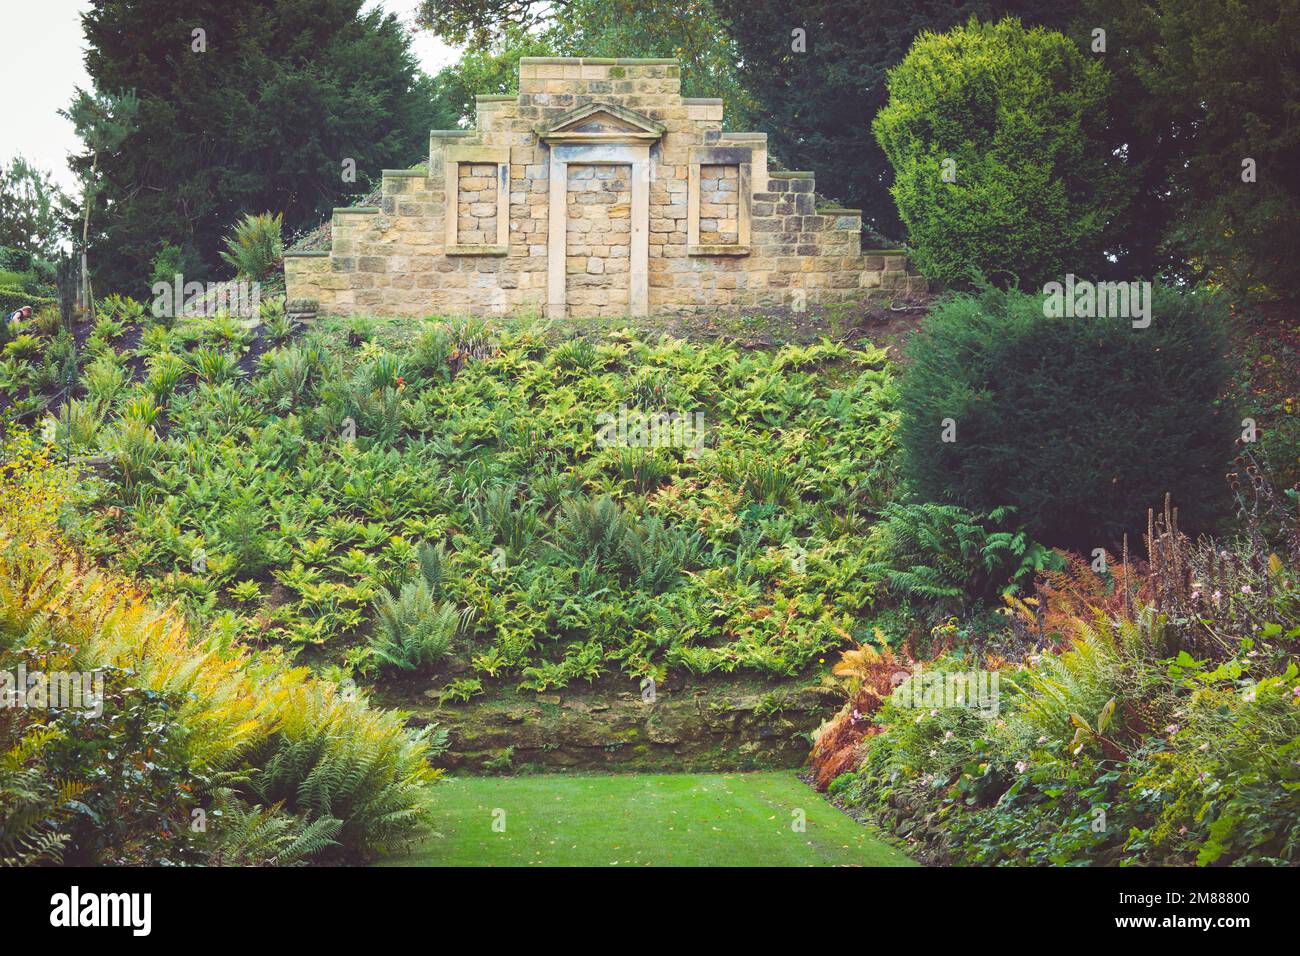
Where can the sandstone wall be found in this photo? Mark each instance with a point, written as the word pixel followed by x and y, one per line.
pixel 599 230
pixel 724 232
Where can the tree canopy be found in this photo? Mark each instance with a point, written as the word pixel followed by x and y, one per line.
pixel 34 212
pixel 1206 100
pixel 817 91
pixel 244 107
pixel 498 34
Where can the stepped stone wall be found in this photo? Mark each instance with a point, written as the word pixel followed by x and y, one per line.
pixel 597 190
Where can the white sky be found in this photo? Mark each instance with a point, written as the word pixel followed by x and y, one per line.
pixel 42 63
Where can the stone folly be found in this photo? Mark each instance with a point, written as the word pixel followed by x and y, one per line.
pixel 597 191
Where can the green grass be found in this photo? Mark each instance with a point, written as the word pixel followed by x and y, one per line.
pixel 733 819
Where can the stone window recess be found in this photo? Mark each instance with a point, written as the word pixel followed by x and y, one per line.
pixel 478 201
pixel 719 201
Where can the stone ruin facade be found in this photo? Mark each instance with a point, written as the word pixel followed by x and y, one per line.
pixel 597 191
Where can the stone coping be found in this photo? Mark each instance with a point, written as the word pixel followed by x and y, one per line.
pixel 838 211
pixel 496 98
pixel 409 173
pixel 702 100
pixel 599 61
pixel 361 210
pixel 789 174
pixel 308 254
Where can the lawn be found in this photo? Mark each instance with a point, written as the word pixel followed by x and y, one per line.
pixel 736 819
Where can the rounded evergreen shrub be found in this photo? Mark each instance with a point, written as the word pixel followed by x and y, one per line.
pixel 1080 423
pixel 996 137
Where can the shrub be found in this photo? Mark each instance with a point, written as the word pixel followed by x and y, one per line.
pixel 241 534
pixel 593 529
pixel 23 346
pixel 132 447
pixel 413 631
pixel 1181 760
pixel 121 309
pixel 1156 728
pixel 289 375
pixel 1022 115
pixel 503 519
pixel 172 260
pixel 943 553
pixel 278 323
pixel 78 424
pixel 14 297
pixel 104 378
pixel 575 355
pixel 166 372
pixel 657 555
pixel 213 366
pixel 189 725
pixel 255 248
pixel 141 407
pixel 1081 424
pixel 429 353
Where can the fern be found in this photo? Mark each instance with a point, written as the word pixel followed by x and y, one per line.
pixel 268 836
pixel 593 530
pixel 504 520
pixel 947 555
pixel 656 555
pixel 413 632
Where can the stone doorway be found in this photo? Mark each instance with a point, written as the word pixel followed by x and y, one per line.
pixel 598 240
pixel 630 182
pixel 607 148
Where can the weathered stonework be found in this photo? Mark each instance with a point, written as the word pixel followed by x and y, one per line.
pixel 598 190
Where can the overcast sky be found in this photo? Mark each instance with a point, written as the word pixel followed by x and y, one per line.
pixel 42 63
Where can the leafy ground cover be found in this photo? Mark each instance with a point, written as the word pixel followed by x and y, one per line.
pixel 746 819
pixel 388 499
pixel 493 516
pixel 1156 719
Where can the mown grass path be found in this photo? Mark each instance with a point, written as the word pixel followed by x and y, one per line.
pixel 726 819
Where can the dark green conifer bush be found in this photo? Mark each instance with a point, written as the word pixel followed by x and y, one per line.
pixel 1080 423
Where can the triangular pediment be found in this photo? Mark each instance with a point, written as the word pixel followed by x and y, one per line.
pixel 601 123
